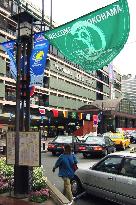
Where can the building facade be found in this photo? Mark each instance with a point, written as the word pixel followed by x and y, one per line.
pixel 129 88
pixel 65 85
pixel 113 114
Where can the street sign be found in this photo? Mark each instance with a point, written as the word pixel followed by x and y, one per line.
pixel 29 149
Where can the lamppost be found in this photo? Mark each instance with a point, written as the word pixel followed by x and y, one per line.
pixel 25 31
pixel 25 23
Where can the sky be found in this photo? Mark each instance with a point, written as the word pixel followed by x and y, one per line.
pixel 67 10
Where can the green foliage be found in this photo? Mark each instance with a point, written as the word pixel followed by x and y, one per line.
pixel 39 194
pixel 6 170
pixel 39 181
pixel 6 174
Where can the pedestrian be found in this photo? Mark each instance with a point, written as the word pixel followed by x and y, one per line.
pixel 66 164
pixel 45 135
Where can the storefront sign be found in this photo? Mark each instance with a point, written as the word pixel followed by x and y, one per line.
pixel 76 75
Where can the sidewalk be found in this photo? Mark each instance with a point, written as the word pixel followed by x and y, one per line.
pixel 12 201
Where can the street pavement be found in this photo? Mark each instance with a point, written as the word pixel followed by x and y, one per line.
pixel 48 162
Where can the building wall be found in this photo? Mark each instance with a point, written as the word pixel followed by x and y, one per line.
pixel 129 89
pixel 66 85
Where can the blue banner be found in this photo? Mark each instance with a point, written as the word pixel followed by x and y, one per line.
pixel 9 48
pixel 38 59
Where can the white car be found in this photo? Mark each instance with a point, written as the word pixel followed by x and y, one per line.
pixel 112 178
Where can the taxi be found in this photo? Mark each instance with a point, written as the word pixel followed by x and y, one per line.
pixel 121 141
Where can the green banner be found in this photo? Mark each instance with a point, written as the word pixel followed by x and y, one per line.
pixel 93 40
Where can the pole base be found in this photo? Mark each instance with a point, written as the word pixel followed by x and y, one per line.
pixel 18 196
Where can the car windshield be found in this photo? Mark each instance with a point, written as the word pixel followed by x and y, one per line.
pixel 107 134
pixel 116 136
pixel 63 139
pixel 94 140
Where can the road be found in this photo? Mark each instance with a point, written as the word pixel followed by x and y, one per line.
pixel 48 162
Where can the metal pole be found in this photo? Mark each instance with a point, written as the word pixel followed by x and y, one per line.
pixel 27 116
pixel 23 84
pixel 42 10
pixel 11 7
pixel 102 121
pixel 51 15
pixel 29 50
pixel 18 57
pixel 21 173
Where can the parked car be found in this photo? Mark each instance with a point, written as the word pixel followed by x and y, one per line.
pixel 112 178
pixel 121 141
pixel 130 136
pixel 58 143
pixel 96 145
pixel 134 137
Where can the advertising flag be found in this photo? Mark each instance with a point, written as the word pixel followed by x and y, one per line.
pixel 9 48
pixel 38 59
pixel 88 116
pixel 55 112
pixel 74 115
pixel 65 114
pixel 93 40
pixel 80 116
pixel 42 110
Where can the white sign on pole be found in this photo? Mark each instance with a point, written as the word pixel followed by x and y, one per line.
pixel 29 148
pixel 10 143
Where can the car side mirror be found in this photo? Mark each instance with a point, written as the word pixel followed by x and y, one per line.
pixel 93 167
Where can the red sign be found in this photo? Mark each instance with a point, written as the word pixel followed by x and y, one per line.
pixel 95 119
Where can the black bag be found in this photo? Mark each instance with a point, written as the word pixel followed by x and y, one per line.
pixel 75 167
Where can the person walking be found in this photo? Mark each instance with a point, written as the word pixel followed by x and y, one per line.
pixel 66 164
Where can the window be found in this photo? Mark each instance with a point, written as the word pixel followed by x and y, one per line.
pixel 63 139
pixel 95 140
pixel 129 168
pixel 109 165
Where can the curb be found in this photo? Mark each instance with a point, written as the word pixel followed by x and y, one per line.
pixel 56 195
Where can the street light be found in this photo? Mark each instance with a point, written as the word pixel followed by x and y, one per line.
pixel 25 31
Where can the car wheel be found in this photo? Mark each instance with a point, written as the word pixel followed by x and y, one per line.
pixel 76 186
pixel 85 155
pixel 54 153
